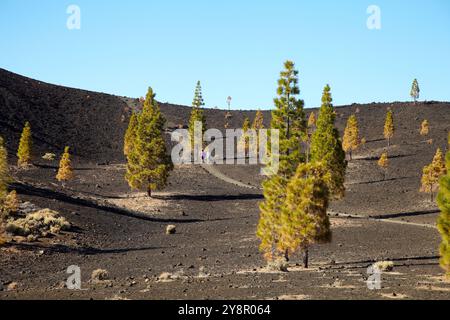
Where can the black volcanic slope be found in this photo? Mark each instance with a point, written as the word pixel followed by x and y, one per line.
pixel 93 124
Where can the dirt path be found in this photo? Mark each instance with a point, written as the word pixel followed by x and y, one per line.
pixel 213 171
pixel 221 176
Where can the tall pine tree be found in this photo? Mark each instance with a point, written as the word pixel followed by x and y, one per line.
pixel 245 141
pixel 415 91
pixel 432 173
pixel 326 146
pixel 148 162
pixel 289 118
pixel 197 114
pixel 258 122
pixel 443 223
pixel 25 144
pixel 351 141
pixel 4 171
pixel 8 202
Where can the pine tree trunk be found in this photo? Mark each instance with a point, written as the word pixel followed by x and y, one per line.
pixel 286 255
pixel 350 154
pixel 306 258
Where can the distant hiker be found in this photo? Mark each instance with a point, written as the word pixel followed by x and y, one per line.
pixel 203 156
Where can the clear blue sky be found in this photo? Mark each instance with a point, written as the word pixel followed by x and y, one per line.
pixel 235 47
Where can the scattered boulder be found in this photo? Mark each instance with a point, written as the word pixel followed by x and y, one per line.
pixel 27 207
pixel 12 286
pixel 171 229
pixel 165 276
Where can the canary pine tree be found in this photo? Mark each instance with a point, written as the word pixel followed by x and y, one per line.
pixel 4 173
pixel 326 146
pixel 258 122
pixel 432 173
pixel 304 218
pixel 289 118
pixel 312 120
pixel 25 144
pixel 383 163
pixel 424 128
pixel 351 136
pixel 148 164
pixel 245 139
pixel 65 171
pixel 415 91
pixel 389 127
pixel 9 202
pixel 130 135
pixel 269 225
pixel 197 114
pixel 443 222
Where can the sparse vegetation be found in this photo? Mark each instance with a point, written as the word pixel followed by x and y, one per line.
pixel 99 275
pixel 39 223
pixel 443 222
pixel 432 173
pixel 49 156
pixel 384 266
pixel 278 265
pixel 350 141
pixel 25 145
